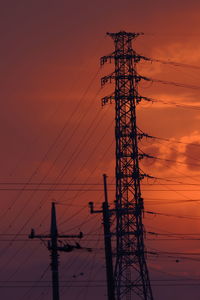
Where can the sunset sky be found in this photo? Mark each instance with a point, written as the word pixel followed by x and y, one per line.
pixel 54 130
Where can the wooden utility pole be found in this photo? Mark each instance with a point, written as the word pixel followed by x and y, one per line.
pixel 54 248
pixel 107 240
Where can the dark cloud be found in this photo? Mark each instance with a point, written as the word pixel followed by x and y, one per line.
pixel 192 156
pixel 151 151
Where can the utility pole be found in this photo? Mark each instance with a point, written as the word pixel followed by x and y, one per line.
pixel 107 240
pixel 131 274
pixel 54 248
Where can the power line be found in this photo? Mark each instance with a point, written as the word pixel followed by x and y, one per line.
pixel 53 144
pixel 175 182
pixel 166 82
pixel 176 141
pixel 174 63
pixel 171 215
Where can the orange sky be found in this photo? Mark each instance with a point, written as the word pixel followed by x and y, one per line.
pixel 53 129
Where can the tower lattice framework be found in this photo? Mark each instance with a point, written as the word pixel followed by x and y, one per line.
pixel 130 269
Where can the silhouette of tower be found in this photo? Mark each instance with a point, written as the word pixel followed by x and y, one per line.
pixel 131 275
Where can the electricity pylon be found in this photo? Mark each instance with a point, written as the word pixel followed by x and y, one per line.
pixel 131 276
pixel 54 247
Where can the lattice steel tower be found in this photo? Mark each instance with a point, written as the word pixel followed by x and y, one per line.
pixel 130 269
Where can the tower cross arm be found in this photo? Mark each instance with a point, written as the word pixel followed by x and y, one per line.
pixel 135 56
pixel 130 35
pixel 107 78
pixel 107 58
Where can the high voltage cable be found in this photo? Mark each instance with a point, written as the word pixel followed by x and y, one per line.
pixel 186 175
pixel 181 105
pixel 175 141
pixel 95 286
pixel 7 262
pixel 94 190
pixel 171 215
pixel 61 184
pixel 170 160
pixel 63 174
pixel 22 228
pixel 95 281
pixel 57 157
pixel 57 138
pixel 81 267
pixel 186 106
pixel 25 260
pixel 169 140
pixel 172 233
pixel 38 189
pixel 173 239
pixel 69 219
pixel 54 113
pixel 27 293
pixel 94 169
pixel 176 161
pixel 174 63
pixel 101 234
pixel 100 184
pixel 178 84
pixel 179 253
pixel 94 240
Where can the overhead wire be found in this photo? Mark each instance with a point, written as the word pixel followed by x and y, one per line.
pixel 53 144
pixel 51 167
pixel 176 141
pixel 172 215
pixel 60 176
pixel 173 103
pixel 81 268
pixel 174 63
pixel 28 294
pixel 10 243
pixel 65 145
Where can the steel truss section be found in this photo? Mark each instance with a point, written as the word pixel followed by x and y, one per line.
pixel 131 274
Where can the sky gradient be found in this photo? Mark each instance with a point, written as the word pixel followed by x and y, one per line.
pixel 54 130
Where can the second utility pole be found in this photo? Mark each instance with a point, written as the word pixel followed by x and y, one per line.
pixel 107 240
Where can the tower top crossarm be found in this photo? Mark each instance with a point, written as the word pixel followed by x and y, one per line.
pixel 123 47
pixel 121 34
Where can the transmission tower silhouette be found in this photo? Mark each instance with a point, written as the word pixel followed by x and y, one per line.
pixel 131 276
